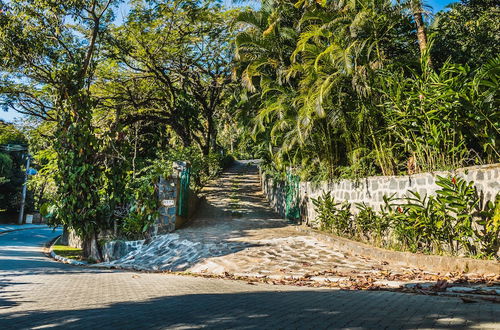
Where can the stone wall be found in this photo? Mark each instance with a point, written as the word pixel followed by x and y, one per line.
pixel 168 190
pixel 116 249
pixel 274 191
pixel 371 190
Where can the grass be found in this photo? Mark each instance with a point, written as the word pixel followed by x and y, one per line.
pixel 68 252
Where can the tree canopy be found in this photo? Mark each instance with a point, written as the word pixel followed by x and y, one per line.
pixel 321 89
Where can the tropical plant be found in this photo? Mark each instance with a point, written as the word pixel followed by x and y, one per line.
pixel 338 89
pixel 371 225
pixel 333 216
pixel 456 220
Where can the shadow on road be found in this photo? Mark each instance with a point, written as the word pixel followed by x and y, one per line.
pixel 298 309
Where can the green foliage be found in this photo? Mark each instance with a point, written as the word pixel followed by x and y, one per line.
pixel 140 204
pixel 487 232
pixel 11 168
pixel 9 134
pixel 203 167
pixel 467 33
pixel 472 223
pixel 79 177
pixel 371 225
pixel 419 227
pixel 5 174
pixel 49 52
pixel 143 206
pixel 5 167
pixel 454 221
pixel 441 119
pixel 341 90
pixel 333 216
pixel 179 90
pixel 330 89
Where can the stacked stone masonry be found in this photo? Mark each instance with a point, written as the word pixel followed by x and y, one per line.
pixel 167 191
pixel 371 190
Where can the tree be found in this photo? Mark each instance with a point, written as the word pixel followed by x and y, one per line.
pixel 171 63
pixel 467 33
pixel 49 50
pixel 348 89
pixel 417 11
pixel 11 163
pixel 316 70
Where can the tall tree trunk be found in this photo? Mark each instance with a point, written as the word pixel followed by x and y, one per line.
pixel 210 132
pixel 87 247
pixel 91 248
pixel 417 10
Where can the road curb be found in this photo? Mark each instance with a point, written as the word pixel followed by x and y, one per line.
pixel 64 260
pixel 432 263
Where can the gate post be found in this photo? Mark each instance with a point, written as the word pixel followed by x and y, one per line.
pixel 183 171
pixel 173 194
pixel 167 195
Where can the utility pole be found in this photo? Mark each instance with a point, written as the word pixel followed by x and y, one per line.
pixel 23 196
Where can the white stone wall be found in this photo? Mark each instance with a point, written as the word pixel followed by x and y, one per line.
pixel 371 190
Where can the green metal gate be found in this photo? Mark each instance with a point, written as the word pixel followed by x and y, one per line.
pixel 292 208
pixel 185 177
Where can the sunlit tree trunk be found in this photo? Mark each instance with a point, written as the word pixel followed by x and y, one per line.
pixel 418 17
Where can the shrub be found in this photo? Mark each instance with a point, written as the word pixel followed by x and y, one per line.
pixel 370 224
pixel 334 217
pixel 455 220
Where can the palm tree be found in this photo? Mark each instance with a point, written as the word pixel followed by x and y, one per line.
pixel 416 10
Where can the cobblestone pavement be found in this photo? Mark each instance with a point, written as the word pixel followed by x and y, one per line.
pixel 38 293
pixel 237 233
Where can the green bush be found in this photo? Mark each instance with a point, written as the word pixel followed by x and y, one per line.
pixel 370 224
pixel 141 202
pixel 142 207
pixel 334 217
pixel 456 220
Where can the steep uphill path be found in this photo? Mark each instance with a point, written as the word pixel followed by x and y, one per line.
pixel 237 234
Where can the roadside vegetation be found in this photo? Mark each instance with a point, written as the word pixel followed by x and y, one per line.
pixel 68 252
pixel 456 221
pixel 320 89
pixel 11 174
pixel 355 88
pixel 349 89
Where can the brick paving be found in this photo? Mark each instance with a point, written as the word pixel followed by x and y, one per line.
pixel 37 292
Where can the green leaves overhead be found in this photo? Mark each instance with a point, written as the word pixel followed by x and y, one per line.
pixel 342 89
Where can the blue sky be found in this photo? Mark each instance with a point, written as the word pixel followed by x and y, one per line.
pixel 436 5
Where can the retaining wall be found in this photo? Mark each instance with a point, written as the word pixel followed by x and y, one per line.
pixel 371 190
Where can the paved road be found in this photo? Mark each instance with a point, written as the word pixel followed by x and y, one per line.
pixel 36 292
pixel 7 228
